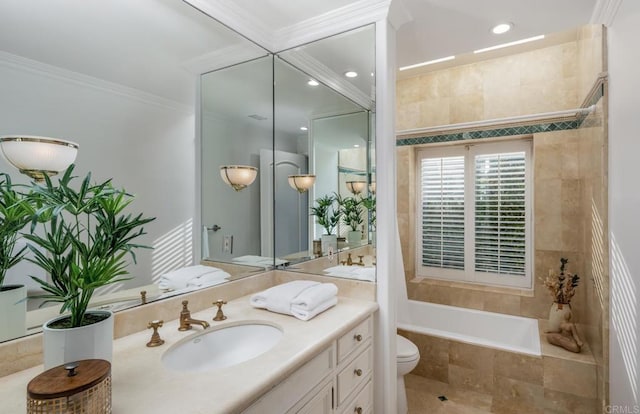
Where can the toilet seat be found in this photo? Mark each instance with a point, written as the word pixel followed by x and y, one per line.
pixel 407 351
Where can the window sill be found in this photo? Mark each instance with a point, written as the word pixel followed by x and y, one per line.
pixel 472 286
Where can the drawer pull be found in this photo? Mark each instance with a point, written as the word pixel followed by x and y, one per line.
pixel 357 337
pixel 358 372
pixel 358 410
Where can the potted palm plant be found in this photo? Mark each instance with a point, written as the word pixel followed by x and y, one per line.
pixel 369 203
pixel 351 209
pixel 82 238
pixel 327 214
pixel 15 214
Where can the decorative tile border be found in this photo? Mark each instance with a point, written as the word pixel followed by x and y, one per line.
pixel 491 133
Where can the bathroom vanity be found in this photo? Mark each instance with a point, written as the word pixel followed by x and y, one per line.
pixel 324 365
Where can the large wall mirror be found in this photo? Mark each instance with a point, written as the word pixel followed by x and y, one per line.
pixel 304 112
pixel 127 97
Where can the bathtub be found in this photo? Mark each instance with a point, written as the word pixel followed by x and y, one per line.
pixel 494 330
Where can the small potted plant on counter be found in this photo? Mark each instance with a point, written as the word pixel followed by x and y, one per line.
pixel 82 238
pixel 15 214
pixel 352 209
pixel 327 214
pixel 369 203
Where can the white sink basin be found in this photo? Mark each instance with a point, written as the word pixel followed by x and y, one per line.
pixel 218 348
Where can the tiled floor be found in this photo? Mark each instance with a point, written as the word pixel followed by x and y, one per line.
pixel 423 393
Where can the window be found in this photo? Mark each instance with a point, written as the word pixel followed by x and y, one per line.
pixel 474 213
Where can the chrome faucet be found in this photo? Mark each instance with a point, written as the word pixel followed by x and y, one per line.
pixel 186 321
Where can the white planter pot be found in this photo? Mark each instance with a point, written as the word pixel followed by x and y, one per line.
pixel 95 341
pixel 354 237
pixel 13 312
pixel 329 241
pixel 373 238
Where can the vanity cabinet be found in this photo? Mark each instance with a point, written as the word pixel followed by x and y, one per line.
pixel 337 380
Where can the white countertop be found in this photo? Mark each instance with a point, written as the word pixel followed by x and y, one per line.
pixel 142 385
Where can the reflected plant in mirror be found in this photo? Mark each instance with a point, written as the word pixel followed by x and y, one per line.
pixel 351 209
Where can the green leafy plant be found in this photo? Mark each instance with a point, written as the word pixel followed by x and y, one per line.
pixel 369 203
pixel 351 209
pixel 327 212
pixel 81 237
pixel 15 214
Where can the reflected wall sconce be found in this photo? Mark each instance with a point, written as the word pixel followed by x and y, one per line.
pixel 38 157
pixel 356 187
pixel 302 182
pixel 238 176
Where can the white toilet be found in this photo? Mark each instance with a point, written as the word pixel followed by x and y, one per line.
pixel 407 359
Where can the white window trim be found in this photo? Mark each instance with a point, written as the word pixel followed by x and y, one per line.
pixel 469 275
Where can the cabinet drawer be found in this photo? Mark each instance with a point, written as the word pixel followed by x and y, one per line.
pixel 321 403
pixel 285 395
pixel 354 374
pixel 362 401
pixel 350 341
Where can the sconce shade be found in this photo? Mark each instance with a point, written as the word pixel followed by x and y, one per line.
pixel 356 187
pixel 238 176
pixel 38 156
pixel 302 182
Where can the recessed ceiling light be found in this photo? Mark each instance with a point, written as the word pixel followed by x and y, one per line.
pixel 304 128
pixel 502 28
pixel 517 42
pixel 313 82
pixel 351 74
pixel 372 74
pixel 430 62
pixel 356 146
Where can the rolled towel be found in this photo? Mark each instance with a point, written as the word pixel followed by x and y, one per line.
pixel 314 296
pixel 279 298
pixel 209 279
pixel 305 314
pixel 179 278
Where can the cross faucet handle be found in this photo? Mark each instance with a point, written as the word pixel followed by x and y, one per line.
pixel 155 337
pixel 220 315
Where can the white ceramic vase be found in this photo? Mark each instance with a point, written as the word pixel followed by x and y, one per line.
pixel 557 315
pixel 329 241
pixel 94 341
pixel 354 237
pixel 13 312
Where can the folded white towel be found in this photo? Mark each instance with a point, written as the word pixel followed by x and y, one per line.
pixel 365 273
pixel 279 298
pixel 305 314
pixel 209 279
pixel 179 278
pixel 339 270
pixel 311 298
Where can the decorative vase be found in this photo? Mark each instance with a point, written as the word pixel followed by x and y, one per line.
pixel 329 241
pixel 94 341
pixel 557 315
pixel 354 237
pixel 13 312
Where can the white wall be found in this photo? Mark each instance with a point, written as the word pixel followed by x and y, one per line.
pixel 624 207
pixel 145 144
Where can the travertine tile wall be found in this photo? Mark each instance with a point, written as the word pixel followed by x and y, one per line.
pixel 570 175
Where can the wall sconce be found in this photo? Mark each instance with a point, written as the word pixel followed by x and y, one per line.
pixel 302 182
pixel 38 156
pixel 238 176
pixel 356 187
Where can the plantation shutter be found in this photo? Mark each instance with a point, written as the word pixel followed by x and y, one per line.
pixel 500 218
pixel 442 196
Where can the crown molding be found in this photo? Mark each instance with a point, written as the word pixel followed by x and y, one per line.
pixel 238 19
pixel 20 63
pixel 221 58
pixel 320 72
pixel 250 26
pixel 604 11
pixel 335 21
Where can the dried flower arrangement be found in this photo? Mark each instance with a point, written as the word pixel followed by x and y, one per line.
pixel 562 286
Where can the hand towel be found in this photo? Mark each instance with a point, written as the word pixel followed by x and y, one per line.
pixel 209 279
pixel 311 298
pixel 305 315
pixel 179 278
pixel 279 298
